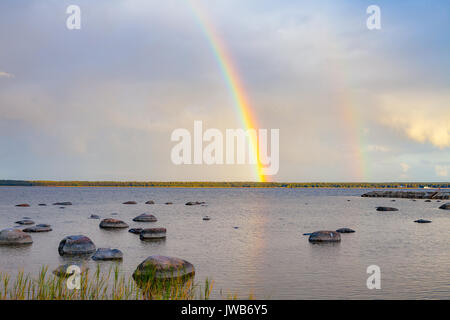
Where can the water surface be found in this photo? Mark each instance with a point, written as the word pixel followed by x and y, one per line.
pixel 253 243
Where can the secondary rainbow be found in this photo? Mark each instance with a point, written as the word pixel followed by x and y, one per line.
pixel 232 80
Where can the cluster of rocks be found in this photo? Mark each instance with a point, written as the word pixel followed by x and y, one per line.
pixel 442 195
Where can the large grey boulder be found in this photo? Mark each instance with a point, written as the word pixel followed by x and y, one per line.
pixel 110 223
pixel 153 233
pixel 145 217
pixel 325 236
pixel 14 236
pixel 76 245
pixel 162 267
pixel 107 254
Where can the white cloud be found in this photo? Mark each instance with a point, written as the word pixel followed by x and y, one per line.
pixel 441 171
pixel 405 166
pixel 423 118
pixel 4 74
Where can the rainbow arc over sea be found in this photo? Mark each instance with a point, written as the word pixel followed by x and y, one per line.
pixel 232 79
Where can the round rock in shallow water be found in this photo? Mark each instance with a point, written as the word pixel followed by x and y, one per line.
pixel 64 271
pixel 345 230
pixel 135 230
pixel 76 245
pixel 112 224
pixel 161 267
pixel 423 221
pixel 153 233
pixel 39 228
pixel 25 222
pixel 145 217
pixel 14 236
pixel 325 236
pixel 106 254
pixel 386 209
pixel 445 206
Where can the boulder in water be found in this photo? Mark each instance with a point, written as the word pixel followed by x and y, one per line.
pixel 168 203
pixel 423 221
pixel 94 216
pixel 206 218
pixel 67 270
pixel 107 254
pixel 325 236
pixel 145 217
pixel 130 202
pixel 150 202
pixel 76 245
pixel 194 203
pixel 135 230
pixel 162 268
pixel 14 236
pixel 39 228
pixel 445 206
pixel 386 209
pixel 153 233
pixel 23 205
pixel 25 222
pixel 345 230
pixel 110 223
pixel 62 203
pixel 42 204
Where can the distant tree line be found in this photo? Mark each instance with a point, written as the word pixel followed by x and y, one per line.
pixel 200 184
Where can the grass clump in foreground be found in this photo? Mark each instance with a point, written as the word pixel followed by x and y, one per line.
pixel 99 286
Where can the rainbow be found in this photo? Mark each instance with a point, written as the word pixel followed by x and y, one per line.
pixel 232 80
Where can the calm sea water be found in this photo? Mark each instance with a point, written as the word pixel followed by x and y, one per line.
pixel 266 254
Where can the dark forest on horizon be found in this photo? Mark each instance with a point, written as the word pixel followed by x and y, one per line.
pixel 207 184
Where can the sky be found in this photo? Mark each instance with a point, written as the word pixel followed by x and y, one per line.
pixel 101 102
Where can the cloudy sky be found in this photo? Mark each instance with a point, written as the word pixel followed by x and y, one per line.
pixel 100 103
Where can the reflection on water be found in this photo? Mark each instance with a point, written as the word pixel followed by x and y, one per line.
pixel 254 242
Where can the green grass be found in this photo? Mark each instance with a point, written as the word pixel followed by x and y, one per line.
pixel 99 285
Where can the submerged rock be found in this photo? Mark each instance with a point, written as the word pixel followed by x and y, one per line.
pixel 62 270
pixel 423 221
pixel 386 209
pixel 150 202
pixel 427 200
pixel 25 222
pixel 110 223
pixel 325 236
pixel 206 218
pixel 345 230
pixel 94 216
pixel 39 228
pixel 42 204
pixel 14 236
pixel 76 245
pixel 145 217
pixel 153 233
pixel 161 268
pixel 130 202
pixel 106 254
pixel 62 203
pixel 168 203
pixel 135 230
pixel 23 205
pixel 445 206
